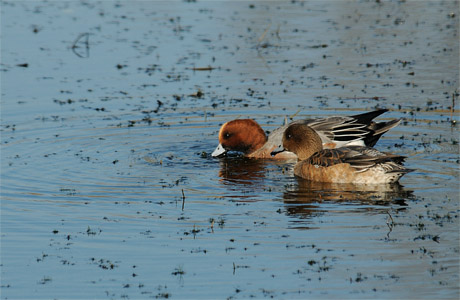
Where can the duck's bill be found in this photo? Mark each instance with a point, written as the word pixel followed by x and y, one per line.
pixel 220 151
pixel 277 150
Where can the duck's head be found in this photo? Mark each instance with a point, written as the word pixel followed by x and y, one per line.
pixel 242 135
pixel 300 139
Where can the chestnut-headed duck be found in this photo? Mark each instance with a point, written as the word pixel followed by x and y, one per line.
pixel 349 164
pixel 247 137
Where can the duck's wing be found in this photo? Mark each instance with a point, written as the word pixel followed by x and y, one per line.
pixel 339 131
pixel 360 158
pixel 336 132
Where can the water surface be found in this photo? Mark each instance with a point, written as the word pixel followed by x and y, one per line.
pixel 108 189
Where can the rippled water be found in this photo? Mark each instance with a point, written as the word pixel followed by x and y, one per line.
pixel 108 189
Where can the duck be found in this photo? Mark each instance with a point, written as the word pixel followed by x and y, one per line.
pixel 247 136
pixel 348 164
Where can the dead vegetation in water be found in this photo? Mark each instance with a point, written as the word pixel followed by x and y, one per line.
pixel 80 47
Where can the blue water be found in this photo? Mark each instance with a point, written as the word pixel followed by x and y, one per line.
pixel 108 189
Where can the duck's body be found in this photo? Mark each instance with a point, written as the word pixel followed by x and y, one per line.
pixel 354 164
pixel 246 136
pixel 350 164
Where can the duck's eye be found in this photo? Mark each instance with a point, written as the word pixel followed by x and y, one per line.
pixel 227 135
pixel 288 136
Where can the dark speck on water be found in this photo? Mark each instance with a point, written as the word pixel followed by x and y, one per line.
pixel 110 112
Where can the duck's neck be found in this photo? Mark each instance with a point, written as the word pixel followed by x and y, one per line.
pixel 312 145
pixel 257 139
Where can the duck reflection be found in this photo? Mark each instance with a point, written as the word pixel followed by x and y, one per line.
pixel 249 179
pixel 304 198
pixel 242 170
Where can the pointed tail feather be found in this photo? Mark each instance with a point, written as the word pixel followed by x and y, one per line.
pixel 367 118
pixel 378 129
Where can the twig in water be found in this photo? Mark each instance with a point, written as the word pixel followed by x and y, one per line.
pixel 263 34
pixel 390 225
pixel 208 68
pixel 265 62
pixel 183 199
pixel 278 32
pixel 84 39
pixel 296 113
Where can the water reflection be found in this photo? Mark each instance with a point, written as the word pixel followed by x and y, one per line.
pixel 242 170
pixel 304 191
pixel 249 179
pixel 304 198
